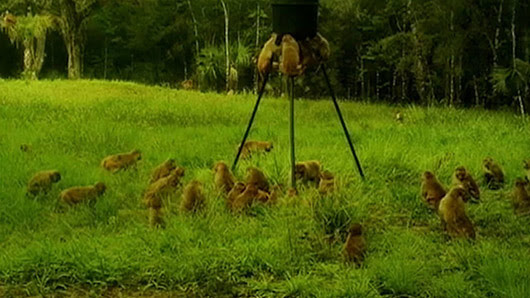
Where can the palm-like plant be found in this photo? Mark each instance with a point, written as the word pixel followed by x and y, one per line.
pixel 30 31
pixel 510 81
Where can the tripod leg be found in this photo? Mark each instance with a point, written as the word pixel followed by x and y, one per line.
pixel 344 127
pixel 260 95
pixel 291 132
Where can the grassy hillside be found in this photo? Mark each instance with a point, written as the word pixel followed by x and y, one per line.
pixel 272 251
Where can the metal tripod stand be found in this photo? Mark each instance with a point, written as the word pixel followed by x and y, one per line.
pixel 291 124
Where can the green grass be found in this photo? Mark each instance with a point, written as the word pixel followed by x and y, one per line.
pixel 272 251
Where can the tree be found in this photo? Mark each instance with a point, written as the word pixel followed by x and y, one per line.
pixel 30 31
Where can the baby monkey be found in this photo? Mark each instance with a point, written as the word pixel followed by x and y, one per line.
pixel 122 161
pixel 224 180
pixel 41 182
pixel 462 177
pixel 162 188
pixel 432 191
pixel 268 53
pixel 257 178
pixel 79 194
pixel 355 245
pixel 327 182
pixel 290 60
pixel 493 173
pixel 453 215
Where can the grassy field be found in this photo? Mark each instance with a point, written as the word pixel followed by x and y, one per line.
pixel 108 249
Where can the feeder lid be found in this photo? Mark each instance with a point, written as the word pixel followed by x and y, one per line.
pixel 295 2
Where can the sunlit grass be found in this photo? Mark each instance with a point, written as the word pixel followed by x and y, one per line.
pixel 288 250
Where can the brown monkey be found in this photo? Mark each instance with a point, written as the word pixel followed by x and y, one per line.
pixel 493 173
pixel 432 191
pixel 162 187
pixel 76 195
pixel 187 85
pixel 453 215
pixel 521 197
pixel 254 147
pixel 274 194
pixel 192 198
pixel 269 51
pixel 290 60
pixel 122 161
pixel 238 189
pixel 327 182
pixel 462 177
pixel 355 245
pixel 163 170
pixel 246 198
pixel 42 182
pixel 223 178
pixel 321 47
pixel 257 178
pixel 308 171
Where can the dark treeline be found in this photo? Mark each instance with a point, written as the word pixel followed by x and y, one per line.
pixel 454 52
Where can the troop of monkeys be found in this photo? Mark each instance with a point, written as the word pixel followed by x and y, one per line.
pixel 450 205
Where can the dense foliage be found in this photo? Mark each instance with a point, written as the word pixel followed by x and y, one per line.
pixel 457 52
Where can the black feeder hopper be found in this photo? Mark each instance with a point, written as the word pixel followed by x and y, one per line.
pixel 296 17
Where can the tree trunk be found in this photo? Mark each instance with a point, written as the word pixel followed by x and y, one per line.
pixel 519 98
pixel 227 46
pixel 452 68
pixel 496 44
pixel 256 73
pixel 73 48
pixel 195 28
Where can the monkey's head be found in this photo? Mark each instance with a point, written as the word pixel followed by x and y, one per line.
pixel 521 183
pixel 178 172
pixel 299 171
pixel 487 162
pixel 460 173
pixel 458 192
pixel 220 166
pixel 170 164
pixel 356 229
pixel 137 154
pixel 526 164
pixel 100 188
pixel 55 176
pixel 288 38
pixel 269 147
pixel 428 175
pixel 326 175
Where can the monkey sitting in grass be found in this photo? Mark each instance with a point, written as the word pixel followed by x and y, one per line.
pixel 163 170
pixel 251 147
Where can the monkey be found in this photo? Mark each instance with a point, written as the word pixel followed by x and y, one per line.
pixel 290 60
pixel 246 198
pixel 122 161
pixel 238 189
pixel 526 165
pixel 255 146
pixel 257 178
pixel 462 177
pixel 492 173
pixel 274 194
pixel 192 198
pixel 76 195
pixel 355 245
pixel 267 54
pixel 42 182
pixel 321 47
pixel 162 187
pixel 452 211
pixel 432 191
pixel 308 171
pixel 521 197
pixel 223 178
pixel 327 182
pixel 292 192
pixel 163 170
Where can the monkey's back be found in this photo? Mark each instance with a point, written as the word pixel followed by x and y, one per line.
pixel 76 195
pixel 354 248
pixel 192 198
